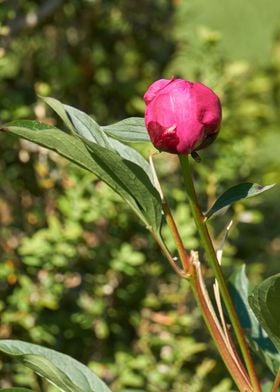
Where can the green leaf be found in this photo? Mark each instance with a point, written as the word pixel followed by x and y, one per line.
pixel 132 179
pixel 59 108
pixel 86 127
pixel 265 300
pixel 130 154
pixel 257 337
pixel 124 176
pixel 64 372
pixel 236 193
pixel 130 130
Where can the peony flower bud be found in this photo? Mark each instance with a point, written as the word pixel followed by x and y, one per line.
pixel 181 116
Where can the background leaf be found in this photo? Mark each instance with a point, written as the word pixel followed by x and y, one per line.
pixel 258 339
pixel 61 370
pixel 131 129
pixel 126 178
pixel 15 390
pixel 236 193
pixel 265 300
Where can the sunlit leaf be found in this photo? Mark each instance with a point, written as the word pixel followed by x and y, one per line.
pixel 128 179
pixel 131 129
pixel 64 372
pixel 86 127
pixel 59 108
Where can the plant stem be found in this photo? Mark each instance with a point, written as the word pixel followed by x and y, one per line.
pixel 231 360
pixel 168 256
pixel 184 257
pixel 276 382
pixel 214 264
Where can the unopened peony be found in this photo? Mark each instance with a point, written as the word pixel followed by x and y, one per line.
pixel 181 116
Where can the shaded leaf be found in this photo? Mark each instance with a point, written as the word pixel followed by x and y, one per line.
pixel 64 372
pixel 265 300
pixel 257 337
pixel 131 129
pixel 236 193
pixel 125 177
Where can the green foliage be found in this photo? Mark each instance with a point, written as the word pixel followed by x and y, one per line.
pixel 78 273
pixel 124 176
pixel 236 193
pixel 264 301
pixel 259 340
pixel 61 370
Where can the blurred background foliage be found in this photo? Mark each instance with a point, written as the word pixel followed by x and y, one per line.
pixel 78 272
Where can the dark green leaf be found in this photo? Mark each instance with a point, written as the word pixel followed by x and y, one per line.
pixel 128 179
pixel 265 300
pixel 129 130
pixel 236 193
pixel 64 372
pixel 133 179
pixel 257 336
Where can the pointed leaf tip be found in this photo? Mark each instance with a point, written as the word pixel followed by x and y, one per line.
pixel 238 192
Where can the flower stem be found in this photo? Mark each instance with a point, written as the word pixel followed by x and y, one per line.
pixel 276 382
pixel 230 358
pixel 184 257
pixel 214 264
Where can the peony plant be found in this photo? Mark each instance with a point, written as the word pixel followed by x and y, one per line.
pixel 181 117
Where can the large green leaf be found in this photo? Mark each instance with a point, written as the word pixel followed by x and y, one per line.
pixel 256 335
pixel 86 127
pixel 82 124
pixel 133 179
pixel 64 372
pixel 236 193
pixel 265 301
pixel 128 179
pixel 131 130
pixel 130 154
pixel 59 108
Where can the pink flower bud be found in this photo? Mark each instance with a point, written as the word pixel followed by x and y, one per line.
pixel 181 116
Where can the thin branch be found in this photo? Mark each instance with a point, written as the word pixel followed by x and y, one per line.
pixel 184 257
